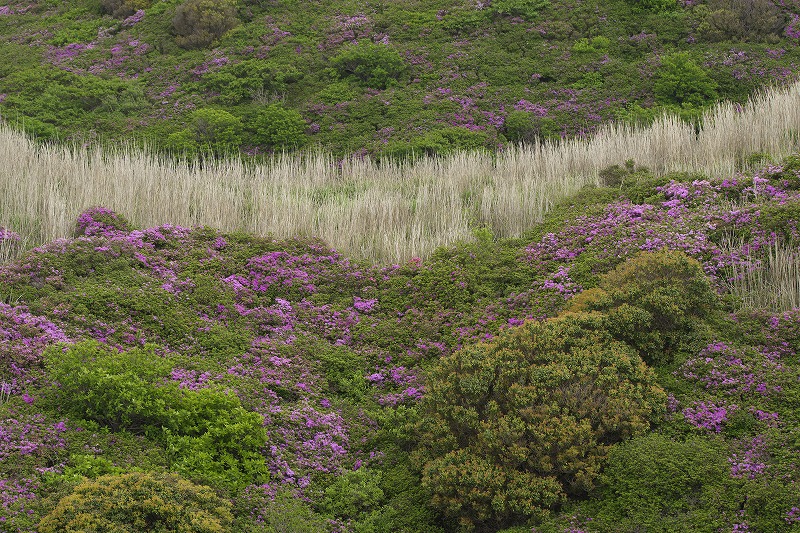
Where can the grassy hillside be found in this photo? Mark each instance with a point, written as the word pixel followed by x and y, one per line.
pixel 384 76
pixel 610 370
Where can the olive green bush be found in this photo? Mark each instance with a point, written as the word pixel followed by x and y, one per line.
pixel 210 131
pixel 198 23
pixel 655 302
pixel 755 20
pixel 513 427
pixel 136 502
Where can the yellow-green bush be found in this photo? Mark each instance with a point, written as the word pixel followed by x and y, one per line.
pixel 136 502
pixel 515 426
pixel 655 302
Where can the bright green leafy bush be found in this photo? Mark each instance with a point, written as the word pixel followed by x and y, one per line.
pixel 514 426
pixel 199 23
pixel 278 127
pixel 114 389
pixel 680 81
pixel 137 502
pixel 212 438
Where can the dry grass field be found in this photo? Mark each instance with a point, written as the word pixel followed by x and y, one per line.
pixel 382 212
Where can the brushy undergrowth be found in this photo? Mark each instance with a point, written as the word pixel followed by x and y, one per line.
pixel 603 358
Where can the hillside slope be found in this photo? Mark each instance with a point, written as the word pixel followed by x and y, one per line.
pixel 316 393
pixel 383 76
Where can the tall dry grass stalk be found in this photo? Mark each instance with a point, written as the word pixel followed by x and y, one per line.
pixel 773 284
pixel 379 212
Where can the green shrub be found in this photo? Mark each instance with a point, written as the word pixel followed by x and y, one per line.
pixel 514 426
pixel 374 65
pixel 655 302
pixel 680 81
pixel 522 126
pixel 113 389
pixel 211 130
pixel 278 127
pixel 656 484
pixel 198 23
pixel 139 502
pixel 247 79
pixel 526 9
pixel 123 8
pixel 212 438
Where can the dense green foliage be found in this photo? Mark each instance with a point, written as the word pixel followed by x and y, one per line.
pixel 395 77
pixel 597 374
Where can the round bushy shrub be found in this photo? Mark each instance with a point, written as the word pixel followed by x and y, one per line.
pixel 138 502
pixel 198 23
pixel 655 302
pixel 374 65
pixel 278 127
pixel 515 426
pixel 680 81
pixel 756 20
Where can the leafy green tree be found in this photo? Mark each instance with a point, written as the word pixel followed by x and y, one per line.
pixel 137 501
pixel 513 427
pixel 680 81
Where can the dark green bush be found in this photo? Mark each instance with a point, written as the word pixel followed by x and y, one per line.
pixel 655 302
pixel 246 80
pixel 198 23
pixel 680 81
pixel 374 65
pixel 514 426
pixel 656 484
pixel 137 502
pixel 526 9
pixel 658 6
pixel 278 127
